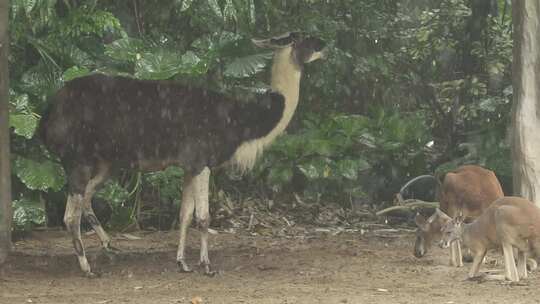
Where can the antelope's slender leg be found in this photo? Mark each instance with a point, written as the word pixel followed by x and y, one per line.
pixel 88 212
pixel 186 215
pixel 477 261
pixel 72 219
pixel 202 216
pixel 509 262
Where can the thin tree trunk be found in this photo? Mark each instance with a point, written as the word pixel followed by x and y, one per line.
pixel 526 108
pixel 5 171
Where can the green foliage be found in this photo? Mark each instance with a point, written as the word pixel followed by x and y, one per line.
pixel 75 72
pixel 164 65
pixel 125 49
pixel 247 66
pixel 167 182
pixel 399 75
pixel 42 175
pixel 332 155
pixel 117 196
pixel 23 124
pixel 27 214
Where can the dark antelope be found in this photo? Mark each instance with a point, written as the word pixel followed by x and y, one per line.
pixel 100 123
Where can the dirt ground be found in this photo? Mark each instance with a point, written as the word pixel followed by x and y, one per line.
pixel 320 266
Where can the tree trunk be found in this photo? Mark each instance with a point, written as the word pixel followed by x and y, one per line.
pixel 5 171
pixel 526 107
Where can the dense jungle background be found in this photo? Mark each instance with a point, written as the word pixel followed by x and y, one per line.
pixel 410 87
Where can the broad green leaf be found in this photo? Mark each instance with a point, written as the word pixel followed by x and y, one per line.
pixel 316 168
pixel 125 49
pixel 20 102
pixel 42 175
pixel 218 45
pixel 247 66
pixel 164 65
pixel 367 140
pixel 24 124
pixel 75 72
pixel 310 171
pixel 191 64
pixel 323 147
pixel 349 168
pixel 168 182
pixel 27 214
pixel 488 104
pixel 113 193
pixel 78 57
pixel 41 82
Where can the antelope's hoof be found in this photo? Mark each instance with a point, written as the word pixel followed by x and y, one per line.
pixel 183 267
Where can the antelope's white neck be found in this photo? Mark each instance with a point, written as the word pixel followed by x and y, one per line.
pixel 286 75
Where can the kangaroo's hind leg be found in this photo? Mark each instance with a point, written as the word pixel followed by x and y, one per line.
pixel 522 264
pixel 477 261
pixel 511 271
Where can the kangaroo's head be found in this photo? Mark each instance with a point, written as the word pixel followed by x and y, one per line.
pixel 428 231
pixel 451 231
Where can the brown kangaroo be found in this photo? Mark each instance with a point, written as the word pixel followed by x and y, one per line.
pixel 510 222
pixel 468 190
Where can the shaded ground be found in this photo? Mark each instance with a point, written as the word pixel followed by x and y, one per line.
pixel 317 267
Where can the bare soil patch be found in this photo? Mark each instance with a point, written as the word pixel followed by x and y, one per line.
pixel 318 266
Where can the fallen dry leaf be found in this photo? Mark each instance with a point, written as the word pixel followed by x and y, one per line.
pixel 196 300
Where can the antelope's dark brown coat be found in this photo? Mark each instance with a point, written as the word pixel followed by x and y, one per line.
pixel 149 125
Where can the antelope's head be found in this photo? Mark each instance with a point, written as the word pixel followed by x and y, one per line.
pixel 303 48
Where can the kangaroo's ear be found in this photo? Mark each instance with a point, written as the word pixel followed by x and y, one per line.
pixel 459 218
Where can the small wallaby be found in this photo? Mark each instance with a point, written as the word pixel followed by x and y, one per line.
pixel 510 222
